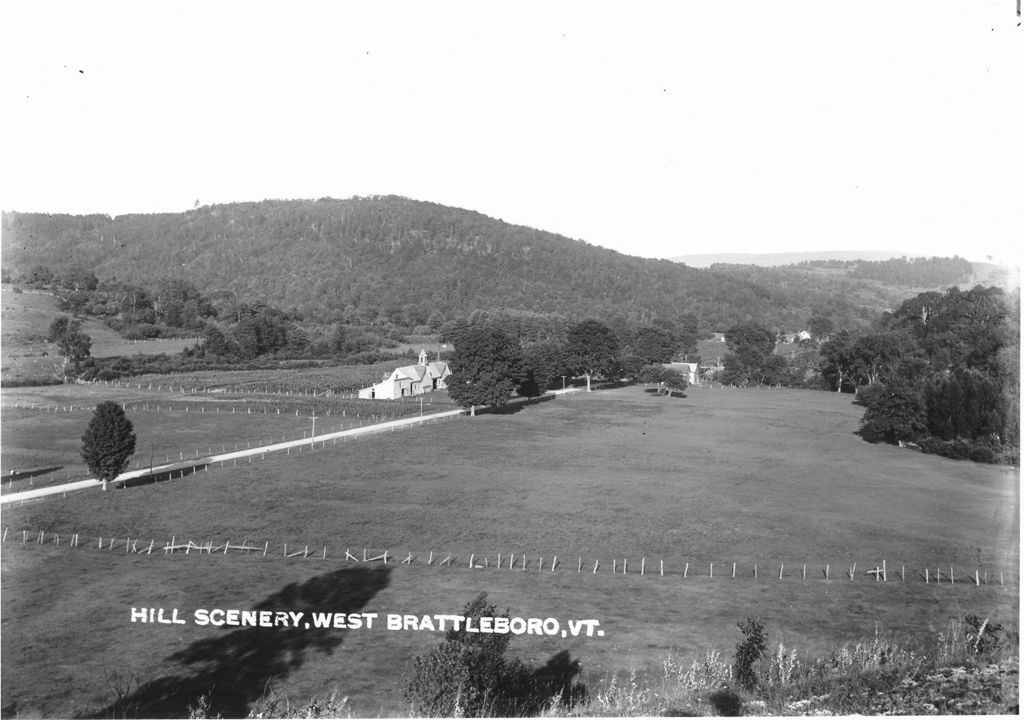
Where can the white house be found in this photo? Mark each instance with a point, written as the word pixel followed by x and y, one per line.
pixel 688 370
pixel 409 380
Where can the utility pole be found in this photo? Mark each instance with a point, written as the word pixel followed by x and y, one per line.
pixel 311 442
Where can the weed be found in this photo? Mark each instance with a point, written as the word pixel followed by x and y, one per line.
pixel 749 651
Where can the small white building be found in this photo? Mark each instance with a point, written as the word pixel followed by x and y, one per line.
pixel 689 370
pixel 409 380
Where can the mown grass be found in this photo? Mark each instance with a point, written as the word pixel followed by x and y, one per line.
pixel 42 427
pixel 720 476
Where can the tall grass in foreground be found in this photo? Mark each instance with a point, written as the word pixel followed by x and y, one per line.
pixel 968 667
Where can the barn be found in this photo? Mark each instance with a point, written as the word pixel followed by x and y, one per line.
pixel 409 380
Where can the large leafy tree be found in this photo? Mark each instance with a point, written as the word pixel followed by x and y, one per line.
pixel 878 356
pixel 837 360
pixel 895 412
pixel 750 357
pixel 545 365
pixel 73 343
pixel 108 442
pixel 656 344
pixel 486 368
pixel 592 349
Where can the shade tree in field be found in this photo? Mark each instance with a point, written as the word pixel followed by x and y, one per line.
pixel 486 367
pixel 751 355
pixel 108 442
pixel 74 344
pixel 544 366
pixel 592 349
pixel 669 378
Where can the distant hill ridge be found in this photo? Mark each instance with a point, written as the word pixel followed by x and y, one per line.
pixel 361 259
pixel 787 258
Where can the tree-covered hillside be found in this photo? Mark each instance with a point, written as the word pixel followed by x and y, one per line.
pixel 391 258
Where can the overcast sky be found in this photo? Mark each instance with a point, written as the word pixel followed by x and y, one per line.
pixel 654 128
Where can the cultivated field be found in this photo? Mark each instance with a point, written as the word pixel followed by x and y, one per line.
pixel 772 478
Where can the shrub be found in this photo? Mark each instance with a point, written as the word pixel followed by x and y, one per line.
pixel 963 449
pixel 469 676
pixel 749 651
pixel 895 412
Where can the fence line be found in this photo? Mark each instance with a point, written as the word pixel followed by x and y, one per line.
pixel 128 545
pixel 192 465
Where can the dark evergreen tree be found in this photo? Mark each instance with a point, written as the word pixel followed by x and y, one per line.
pixel 108 442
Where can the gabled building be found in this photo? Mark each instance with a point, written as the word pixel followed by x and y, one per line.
pixel 688 370
pixel 409 380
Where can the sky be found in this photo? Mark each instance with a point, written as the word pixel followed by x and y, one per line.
pixel 657 129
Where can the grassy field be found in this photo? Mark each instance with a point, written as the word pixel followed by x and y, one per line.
pixel 346 379
pixel 721 476
pixel 42 427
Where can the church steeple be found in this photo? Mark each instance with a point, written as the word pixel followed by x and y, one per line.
pixel 423 356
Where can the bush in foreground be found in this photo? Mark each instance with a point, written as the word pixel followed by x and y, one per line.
pixel 468 675
pixel 968 668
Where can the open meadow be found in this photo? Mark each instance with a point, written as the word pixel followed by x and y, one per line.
pixel 772 479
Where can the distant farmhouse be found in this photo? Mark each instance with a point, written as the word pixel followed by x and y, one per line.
pixel 688 370
pixel 409 380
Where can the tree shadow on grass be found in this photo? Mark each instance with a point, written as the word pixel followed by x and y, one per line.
pixel 234 667
pixel 665 392
pixel 159 477
pixel 28 474
pixel 516 405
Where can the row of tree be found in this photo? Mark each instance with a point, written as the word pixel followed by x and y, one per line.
pixel 941 371
pixel 489 364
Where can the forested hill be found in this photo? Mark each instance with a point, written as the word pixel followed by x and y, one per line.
pixel 364 258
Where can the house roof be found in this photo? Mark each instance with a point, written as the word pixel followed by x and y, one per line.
pixel 416 373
